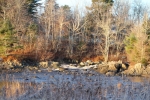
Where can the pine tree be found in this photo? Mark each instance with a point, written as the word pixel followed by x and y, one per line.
pixel 8 40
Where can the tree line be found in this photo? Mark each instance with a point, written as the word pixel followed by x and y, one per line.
pixel 112 30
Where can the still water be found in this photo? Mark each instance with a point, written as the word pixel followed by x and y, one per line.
pixel 72 86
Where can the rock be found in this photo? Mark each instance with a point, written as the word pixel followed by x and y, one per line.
pixel 44 64
pixel 125 72
pixel 82 64
pixel 32 68
pixel 56 69
pixel 39 70
pixel 89 62
pixel 110 73
pixel 125 66
pixel 61 69
pixel 17 63
pixel 144 73
pixel 49 69
pixel 117 67
pixel 103 69
pixel 148 70
pixel 131 71
pixel 136 70
pixel 112 66
pixel 7 65
pixel 11 64
pixel 55 65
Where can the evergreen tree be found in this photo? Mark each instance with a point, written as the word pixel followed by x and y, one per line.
pixel 8 40
pixel 32 6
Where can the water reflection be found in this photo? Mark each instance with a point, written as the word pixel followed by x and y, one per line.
pixel 13 89
pixel 138 79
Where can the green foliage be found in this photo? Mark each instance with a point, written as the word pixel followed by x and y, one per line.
pixel 31 5
pixel 66 8
pixel 129 42
pixel 105 1
pixel 6 28
pixel 144 61
pixel 8 41
pixel 146 26
pixel 31 32
pixel 131 49
pixel 33 27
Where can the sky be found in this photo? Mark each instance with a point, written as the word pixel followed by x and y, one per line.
pixel 72 3
pixel 146 2
pixel 82 3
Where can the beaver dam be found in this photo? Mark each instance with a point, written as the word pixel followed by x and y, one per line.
pixel 72 85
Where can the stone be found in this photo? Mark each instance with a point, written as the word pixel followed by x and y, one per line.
pixel 131 71
pixel 89 62
pixel 61 69
pixel 118 67
pixel 112 67
pixel 43 64
pixel 110 73
pixel 144 72
pixel 33 68
pixel 103 69
pixel 16 63
pixel 125 66
pixel 49 69
pixel 138 69
pixel 148 70
pixel 82 64
pixel 55 65
pixel 125 72
pixel 39 70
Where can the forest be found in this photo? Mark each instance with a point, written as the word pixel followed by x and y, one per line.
pixel 104 31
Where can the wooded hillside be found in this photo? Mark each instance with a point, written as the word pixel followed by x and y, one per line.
pixel 107 30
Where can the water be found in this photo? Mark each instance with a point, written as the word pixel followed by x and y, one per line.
pixel 72 85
